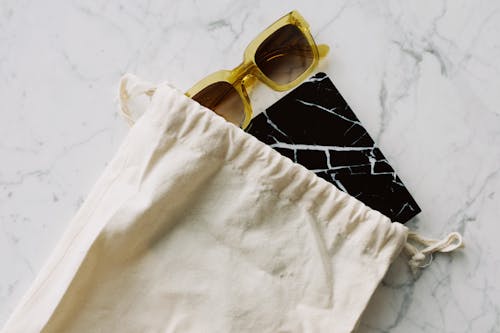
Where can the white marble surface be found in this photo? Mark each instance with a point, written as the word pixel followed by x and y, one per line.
pixel 423 76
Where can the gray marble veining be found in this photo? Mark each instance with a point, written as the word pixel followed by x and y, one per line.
pixel 423 77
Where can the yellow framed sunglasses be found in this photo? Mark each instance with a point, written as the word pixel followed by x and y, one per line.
pixel 281 57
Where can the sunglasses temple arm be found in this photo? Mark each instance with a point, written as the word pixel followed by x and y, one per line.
pixel 323 50
pixel 249 82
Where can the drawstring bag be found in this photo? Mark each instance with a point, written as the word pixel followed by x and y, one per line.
pixel 196 226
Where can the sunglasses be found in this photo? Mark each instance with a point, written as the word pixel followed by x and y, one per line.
pixel 281 57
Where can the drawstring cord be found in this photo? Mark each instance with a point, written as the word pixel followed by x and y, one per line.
pixel 130 87
pixel 421 258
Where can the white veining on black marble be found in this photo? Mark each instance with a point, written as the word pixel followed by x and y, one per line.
pixel 314 126
pixel 422 76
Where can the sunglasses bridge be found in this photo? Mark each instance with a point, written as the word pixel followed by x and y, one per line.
pixel 244 75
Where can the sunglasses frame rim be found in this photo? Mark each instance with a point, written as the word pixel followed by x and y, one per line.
pixel 236 77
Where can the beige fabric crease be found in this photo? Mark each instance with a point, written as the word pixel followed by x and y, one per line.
pixel 196 226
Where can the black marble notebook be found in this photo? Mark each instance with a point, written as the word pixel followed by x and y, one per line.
pixel 314 126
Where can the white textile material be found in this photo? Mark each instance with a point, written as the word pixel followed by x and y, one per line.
pixel 196 226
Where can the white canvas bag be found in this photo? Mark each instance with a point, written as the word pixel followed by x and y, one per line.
pixel 196 226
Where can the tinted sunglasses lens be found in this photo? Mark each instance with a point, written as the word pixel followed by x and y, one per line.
pixel 223 99
pixel 284 55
